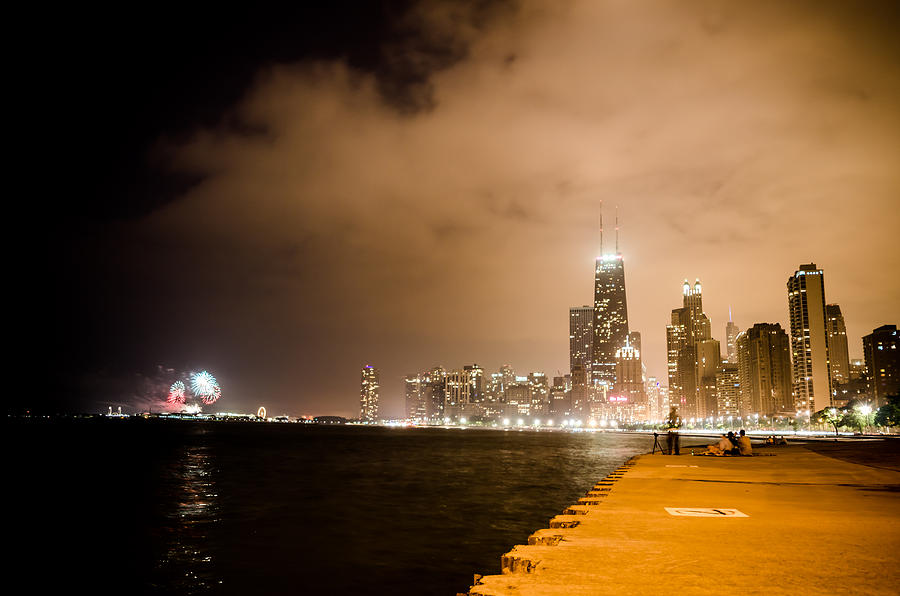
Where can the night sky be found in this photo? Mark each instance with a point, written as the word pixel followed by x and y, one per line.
pixel 282 195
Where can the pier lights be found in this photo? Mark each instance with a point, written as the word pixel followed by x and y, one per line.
pixel 604 423
pixel 578 423
pixel 592 423
pixel 549 423
pixel 462 420
pixel 506 422
pixel 447 420
pixel 564 422
pixel 520 422
pixel 613 424
pixel 537 422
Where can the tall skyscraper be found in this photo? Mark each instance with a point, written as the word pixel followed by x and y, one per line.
pixel 689 326
pixel 809 339
pixel 838 353
pixel 610 318
pixel 765 370
pixel 581 336
pixel 731 333
pixel 708 360
pixel 883 362
pixel 416 397
pixel 368 394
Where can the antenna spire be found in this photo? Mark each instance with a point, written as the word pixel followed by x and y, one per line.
pixel 617 229
pixel 601 227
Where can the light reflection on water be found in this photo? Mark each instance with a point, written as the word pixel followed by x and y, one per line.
pixel 186 565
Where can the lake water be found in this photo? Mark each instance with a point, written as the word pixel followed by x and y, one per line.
pixel 168 507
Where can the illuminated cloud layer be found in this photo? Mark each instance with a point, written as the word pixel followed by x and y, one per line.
pixel 337 225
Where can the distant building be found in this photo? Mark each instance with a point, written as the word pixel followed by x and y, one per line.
pixel 457 389
pixel 689 326
pixel 838 353
pixel 475 379
pixel 540 394
pixel 731 333
pixel 857 387
pixel 657 399
pixel 368 394
pixel 728 390
pixel 709 359
pixel 882 362
pixel 610 318
pixel 579 392
pixel 629 387
pixel 581 336
pixel 809 339
pixel 518 397
pixel 560 398
pixel 416 393
pixel 765 370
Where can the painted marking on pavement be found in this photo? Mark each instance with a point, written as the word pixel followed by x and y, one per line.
pixel 705 512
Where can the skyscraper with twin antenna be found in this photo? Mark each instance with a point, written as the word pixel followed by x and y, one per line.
pixel 610 313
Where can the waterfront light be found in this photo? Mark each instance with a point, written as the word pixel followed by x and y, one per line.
pixel 537 422
pixel 520 422
pixel 462 420
pixel 506 422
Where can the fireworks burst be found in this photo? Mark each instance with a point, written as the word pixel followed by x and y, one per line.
pixel 176 393
pixel 205 387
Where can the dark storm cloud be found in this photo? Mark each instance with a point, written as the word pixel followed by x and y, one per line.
pixel 442 207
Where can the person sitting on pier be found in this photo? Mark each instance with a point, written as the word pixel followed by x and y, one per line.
pixel 733 440
pixel 722 447
pixel 743 444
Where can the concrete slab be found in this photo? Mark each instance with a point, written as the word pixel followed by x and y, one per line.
pixel 814 525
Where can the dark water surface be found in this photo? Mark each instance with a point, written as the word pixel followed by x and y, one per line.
pixel 167 507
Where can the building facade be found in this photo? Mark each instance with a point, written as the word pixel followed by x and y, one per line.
pixel 610 319
pixel 883 363
pixel 838 352
pixel 368 394
pixel 765 371
pixel 581 336
pixel 689 327
pixel 809 339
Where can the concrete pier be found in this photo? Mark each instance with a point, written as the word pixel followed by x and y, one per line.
pixel 786 521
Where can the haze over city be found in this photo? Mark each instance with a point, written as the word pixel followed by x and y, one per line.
pixel 296 207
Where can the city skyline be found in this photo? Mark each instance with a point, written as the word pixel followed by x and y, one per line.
pixel 283 199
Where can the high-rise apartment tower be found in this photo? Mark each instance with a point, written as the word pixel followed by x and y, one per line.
pixel 809 339
pixel 368 394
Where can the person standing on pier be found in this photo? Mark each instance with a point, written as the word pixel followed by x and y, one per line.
pixel 673 422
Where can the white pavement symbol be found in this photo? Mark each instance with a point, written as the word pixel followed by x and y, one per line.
pixel 705 512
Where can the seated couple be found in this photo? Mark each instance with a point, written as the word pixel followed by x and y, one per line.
pixel 731 445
